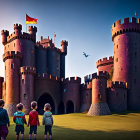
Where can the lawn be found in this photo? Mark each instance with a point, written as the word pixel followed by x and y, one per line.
pixel 79 126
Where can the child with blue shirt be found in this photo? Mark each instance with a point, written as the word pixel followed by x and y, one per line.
pixel 47 121
pixel 19 119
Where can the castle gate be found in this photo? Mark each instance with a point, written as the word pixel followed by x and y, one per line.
pixel 45 98
pixel 69 107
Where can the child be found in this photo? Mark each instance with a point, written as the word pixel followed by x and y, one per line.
pixel 4 121
pixel 47 121
pixel 19 119
pixel 33 120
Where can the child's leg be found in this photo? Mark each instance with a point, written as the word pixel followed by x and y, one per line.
pixel 17 137
pixel 35 132
pixel 22 136
pixel 34 136
pixel 30 133
pixel 50 132
pixel 30 136
pixel 45 134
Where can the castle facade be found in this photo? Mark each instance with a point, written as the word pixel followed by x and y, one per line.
pixel 35 70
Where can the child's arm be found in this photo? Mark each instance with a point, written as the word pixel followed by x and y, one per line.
pixel 24 119
pixel 43 121
pixel 52 120
pixel 7 118
pixel 38 120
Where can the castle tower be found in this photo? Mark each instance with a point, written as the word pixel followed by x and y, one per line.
pixel 64 45
pixel 126 38
pixel 32 31
pixel 27 86
pixel 99 86
pixel 1 83
pixel 4 34
pixel 17 29
pixel 12 61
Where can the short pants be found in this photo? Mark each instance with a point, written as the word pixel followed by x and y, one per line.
pixel 33 129
pixel 48 128
pixel 19 129
pixel 3 131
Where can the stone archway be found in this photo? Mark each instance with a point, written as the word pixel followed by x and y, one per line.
pixel 61 108
pixel 45 98
pixel 69 107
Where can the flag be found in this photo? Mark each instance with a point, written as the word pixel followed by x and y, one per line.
pixel 30 20
pixel 54 35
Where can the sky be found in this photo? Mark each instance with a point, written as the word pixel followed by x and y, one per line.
pixel 85 24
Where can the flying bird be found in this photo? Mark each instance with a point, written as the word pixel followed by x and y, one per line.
pixel 86 55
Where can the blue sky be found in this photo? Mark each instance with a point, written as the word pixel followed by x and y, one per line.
pixel 85 24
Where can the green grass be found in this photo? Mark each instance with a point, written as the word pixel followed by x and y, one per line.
pixel 82 127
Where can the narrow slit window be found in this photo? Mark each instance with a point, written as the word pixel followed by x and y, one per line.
pixel 22 81
pixel 12 66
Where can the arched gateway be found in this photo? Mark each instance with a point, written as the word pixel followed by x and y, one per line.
pixel 45 98
pixel 69 107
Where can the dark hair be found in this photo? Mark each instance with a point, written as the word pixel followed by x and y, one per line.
pixel 47 106
pixel 33 104
pixel 19 106
pixel 2 102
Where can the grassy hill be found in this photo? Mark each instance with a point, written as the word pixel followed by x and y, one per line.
pixel 79 126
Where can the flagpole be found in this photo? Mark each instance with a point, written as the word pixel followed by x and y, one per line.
pixel 54 39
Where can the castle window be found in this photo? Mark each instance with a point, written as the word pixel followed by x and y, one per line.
pixel 14 44
pixel 121 69
pixel 117 46
pixel 25 96
pixel 116 59
pixel 12 66
pixel 114 25
pixel 22 81
pixel 5 67
pixel 99 96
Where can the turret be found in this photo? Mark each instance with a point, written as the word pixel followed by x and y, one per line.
pixel 71 94
pixel 17 29
pixel 32 31
pixel 27 86
pixel 12 61
pixel 99 86
pixel 64 45
pixel 4 34
pixel 1 83
pixel 126 38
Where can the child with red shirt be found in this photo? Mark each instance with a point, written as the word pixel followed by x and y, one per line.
pixel 33 120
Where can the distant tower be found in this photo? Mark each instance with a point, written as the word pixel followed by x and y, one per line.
pixel 99 87
pixel 126 38
pixel 32 32
pixel 12 61
pixel 64 45
pixel 4 34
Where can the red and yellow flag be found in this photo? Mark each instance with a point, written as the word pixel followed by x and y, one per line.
pixel 30 20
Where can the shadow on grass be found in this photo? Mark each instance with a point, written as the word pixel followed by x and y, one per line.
pixel 60 133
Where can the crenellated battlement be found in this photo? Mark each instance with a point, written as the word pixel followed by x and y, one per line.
pixel 117 84
pixel 5 32
pixel 47 77
pixel 64 42
pixel 27 70
pixel 126 26
pixel 32 28
pixel 101 74
pixel 105 61
pixel 11 55
pixel 17 26
pixel 71 80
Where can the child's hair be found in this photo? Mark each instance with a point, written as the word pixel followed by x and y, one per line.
pixel 33 104
pixel 47 106
pixel 19 106
pixel 2 102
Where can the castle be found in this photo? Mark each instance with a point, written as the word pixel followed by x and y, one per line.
pixel 36 71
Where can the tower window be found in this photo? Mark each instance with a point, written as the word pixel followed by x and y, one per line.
pixel 114 25
pixel 25 96
pixel 14 44
pixel 117 46
pixel 116 59
pixel 12 66
pixel 64 90
pixel 5 67
pixel 22 81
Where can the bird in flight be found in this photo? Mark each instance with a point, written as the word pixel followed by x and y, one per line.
pixel 86 55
